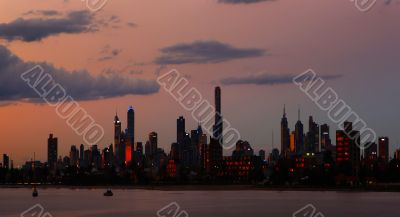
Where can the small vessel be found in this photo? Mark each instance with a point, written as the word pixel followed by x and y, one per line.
pixel 108 193
pixel 35 192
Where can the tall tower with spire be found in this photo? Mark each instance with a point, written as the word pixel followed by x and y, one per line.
pixel 299 135
pixel 117 131
pixel 285 134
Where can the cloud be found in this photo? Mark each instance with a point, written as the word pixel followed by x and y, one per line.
pixel 36 29
pixel 81 85
pixel 241 1
pixel 266 79
pixel 204 52
pixel 43 13
pixel 108 53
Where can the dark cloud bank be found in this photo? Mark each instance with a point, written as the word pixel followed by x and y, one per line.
pixel 266 79
pixel 81 85
pixel 204 52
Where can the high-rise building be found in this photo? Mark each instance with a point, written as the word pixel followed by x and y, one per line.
pixel 52 151
pixel 74 156
pixel 348 150
pixel 81 152
pixel 180 129
pixel 285 134
pixel 371 151
pixel 292 145
pixel 261 153
pixel 139 148
pixel 153 140
pixel 312 144
pixel 215 148
pixel 325 137
pixel 117 135
pixel 299 136
pixel 6 161
pixel 383 148
pixel 218 126
pixel 131 133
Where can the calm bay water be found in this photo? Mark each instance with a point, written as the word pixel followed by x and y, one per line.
pixel 146 203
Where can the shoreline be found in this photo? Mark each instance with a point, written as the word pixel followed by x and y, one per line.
pixel 383 188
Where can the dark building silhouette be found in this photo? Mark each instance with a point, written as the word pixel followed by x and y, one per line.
pixel 348 150
pixel 285 134
pixel 312 144
pixel 117 139
pixel 52 151
pixel 218 126
pixel 299 136
pixel 131 131
pixel 384 148
pixel 6 161
pixel 74 156
pixel 325 137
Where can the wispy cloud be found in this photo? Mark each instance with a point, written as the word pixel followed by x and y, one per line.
pixel 204 52
pixel 108 53
pixel 267 79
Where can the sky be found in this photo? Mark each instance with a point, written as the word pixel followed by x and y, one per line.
pixel 110 59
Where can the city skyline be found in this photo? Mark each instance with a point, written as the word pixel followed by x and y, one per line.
pixel 296 145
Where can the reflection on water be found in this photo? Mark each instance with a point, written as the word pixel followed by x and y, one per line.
pixel 143 203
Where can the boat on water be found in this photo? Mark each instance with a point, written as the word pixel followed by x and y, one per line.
pixel 108 193
pixel 35 192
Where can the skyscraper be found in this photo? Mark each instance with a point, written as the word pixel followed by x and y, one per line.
pixel 6 161
pixel 117 133
pixel 153 140
pixel 383 148
pixel 214 157
pixel 285 134
pixel 180 129
pixel 299 136
pixel 312 136
pixel 131 133
pixel 52 151
pixel 218 126
pixel 347 150
pixel 325 137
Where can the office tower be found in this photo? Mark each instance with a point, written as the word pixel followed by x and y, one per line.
pixel 180 129
pixel 285 134
pixel 74 156
pixel 216 142
pixel 312 143
pixel 131 133
pixel 384 148
pixel 139 148
pixel 107 157
pixel 117 138
pixel 243 149
pixel 371 151
pixel 81 151
pixel 325 138
pixel 218 126
pixel 153 140
pixel 348 150
pixel 292 145
pixel 299 136
pixel 214 158
pixel 261 153
pixel 6 161
pixel 96 157
pixel 52 151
